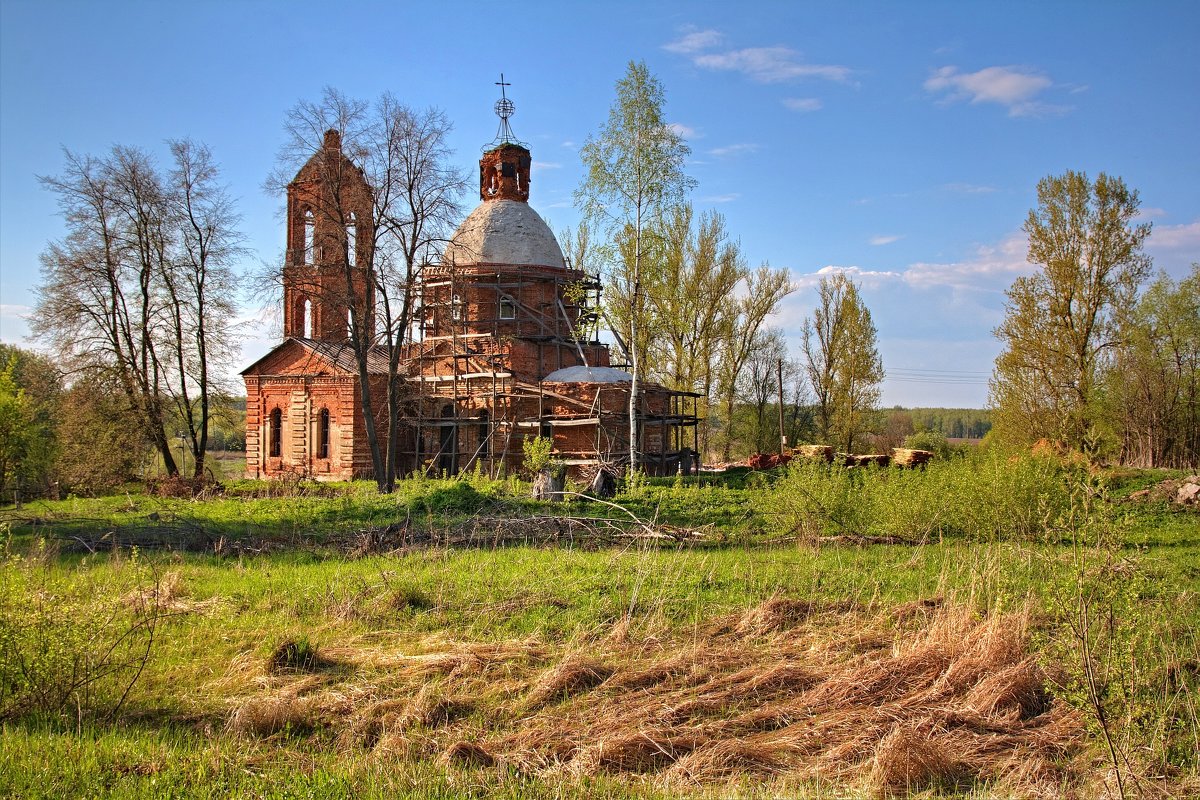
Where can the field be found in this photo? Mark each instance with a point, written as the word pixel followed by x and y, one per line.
pixel 993 627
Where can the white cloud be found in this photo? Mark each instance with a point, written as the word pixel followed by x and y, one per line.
pixel 540 166
pixel 14 323
pixel 1012 87
pixel 686 131
pixel 721 198
pixel 968 188
pixel 803 104
pixel 733 149
pixel 868 278
pixel 569 144
pixel 1151 212
pixel 882 240
pixel 694 41
pixel 770 65
pixel 1177 237
pixel 991 268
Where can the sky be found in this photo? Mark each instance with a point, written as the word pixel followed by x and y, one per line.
pixel 900 142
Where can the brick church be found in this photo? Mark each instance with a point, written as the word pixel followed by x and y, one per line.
pixel 504 348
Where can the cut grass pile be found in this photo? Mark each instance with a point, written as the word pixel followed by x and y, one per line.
pixel 947 700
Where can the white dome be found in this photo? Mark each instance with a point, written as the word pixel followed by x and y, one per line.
pixel 588 375
pixel 504 232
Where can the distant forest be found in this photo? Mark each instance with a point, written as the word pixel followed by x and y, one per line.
pixel 953 423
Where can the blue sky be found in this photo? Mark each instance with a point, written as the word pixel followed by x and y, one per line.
pixel 900 141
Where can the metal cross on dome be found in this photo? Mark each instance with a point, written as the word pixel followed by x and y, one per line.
pixel 505 108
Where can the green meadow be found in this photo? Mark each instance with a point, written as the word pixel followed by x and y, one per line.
pixel 810 632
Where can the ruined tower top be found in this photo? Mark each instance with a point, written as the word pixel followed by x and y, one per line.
pixel 504 167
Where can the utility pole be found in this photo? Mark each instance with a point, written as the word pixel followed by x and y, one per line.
pixel 782 437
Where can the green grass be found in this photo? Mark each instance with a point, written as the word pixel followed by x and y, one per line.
pixel 171 737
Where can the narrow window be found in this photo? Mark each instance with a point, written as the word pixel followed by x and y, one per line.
pixel 448 463
pixel 309 237
pixel 507 309
pixel 485 435
pixel 352 240
pixel 308 319
pixel 455 308
pixel 323 434
pixel 275 434
pixel 349 324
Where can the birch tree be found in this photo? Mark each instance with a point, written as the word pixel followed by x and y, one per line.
pixel 634 172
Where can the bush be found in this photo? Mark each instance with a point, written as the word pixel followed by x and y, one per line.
pixel 985 496
pixel 65 647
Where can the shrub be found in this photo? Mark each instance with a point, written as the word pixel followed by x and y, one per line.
pixel 63 646
pixel 988 495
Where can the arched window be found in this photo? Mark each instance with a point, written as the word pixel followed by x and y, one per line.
pixel 275 434
pixel 308 321
pixel 310 231
pixel 323 434
pixel 508 310
pixel 352 240
pixel 455 308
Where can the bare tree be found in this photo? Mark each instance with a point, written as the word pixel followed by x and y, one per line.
pixel 136 290
pixel 764 288
pixel 414 193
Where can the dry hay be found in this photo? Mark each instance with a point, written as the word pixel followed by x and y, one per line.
pixel 469 754
pixel 907 759
pixel 950 699
pixel 574 675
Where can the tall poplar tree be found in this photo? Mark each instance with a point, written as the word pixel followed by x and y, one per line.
pixel 634 171
pixel 842 361
pixel 1062 324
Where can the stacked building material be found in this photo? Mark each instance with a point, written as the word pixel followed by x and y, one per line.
pixel 907 457
pixel 814 452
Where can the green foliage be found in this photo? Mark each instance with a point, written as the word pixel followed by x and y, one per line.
pixel 297 654
pixel 29 392
pixel 987 496
pixel 538 454
pixel 68 644
pixel 1123 644
pixel 934 442
pixel 842 361
pixel 1062 323
pixel 1151 395
pixel 102 441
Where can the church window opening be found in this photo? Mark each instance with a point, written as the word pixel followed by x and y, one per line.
pixel 352 240
pixel 349 324
pixel 275 434
pixel 309 237
pixel 323 434
pixel 308 326
pixel 448 441
pixel 485 435
pixel 508 309
pixel 456 308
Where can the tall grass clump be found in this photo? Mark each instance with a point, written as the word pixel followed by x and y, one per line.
pixel 987 496
pixel 1125 647
pixel 65 646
